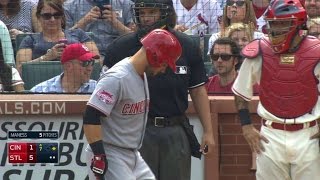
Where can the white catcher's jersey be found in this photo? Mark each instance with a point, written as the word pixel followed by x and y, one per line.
pixel 250 73
pixel 123 96
pixel 203 11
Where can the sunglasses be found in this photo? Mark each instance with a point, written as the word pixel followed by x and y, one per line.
pixel 238 3
pixel 48 16
pixel 224 57
pixel 87 63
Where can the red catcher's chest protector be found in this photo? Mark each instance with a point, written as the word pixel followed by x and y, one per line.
pixel 288 87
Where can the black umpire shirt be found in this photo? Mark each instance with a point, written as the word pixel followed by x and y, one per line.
pixel 168 91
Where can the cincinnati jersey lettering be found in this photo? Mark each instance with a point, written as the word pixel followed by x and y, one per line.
pixel 135 108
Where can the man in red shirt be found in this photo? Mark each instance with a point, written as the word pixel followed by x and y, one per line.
pixel 226 59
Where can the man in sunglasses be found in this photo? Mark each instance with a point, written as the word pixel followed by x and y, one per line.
pixel 226 59
pixel 287 68
pixel 77 64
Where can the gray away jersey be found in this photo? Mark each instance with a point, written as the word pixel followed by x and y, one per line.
pixel 123 96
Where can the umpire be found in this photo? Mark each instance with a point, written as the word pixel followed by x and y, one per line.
pixel 169 139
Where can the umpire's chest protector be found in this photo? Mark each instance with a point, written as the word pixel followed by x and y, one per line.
pixel 288 86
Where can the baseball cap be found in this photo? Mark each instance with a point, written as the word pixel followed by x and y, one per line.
pixel 77 51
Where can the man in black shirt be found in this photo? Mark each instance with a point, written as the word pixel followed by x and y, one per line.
pixel 166 146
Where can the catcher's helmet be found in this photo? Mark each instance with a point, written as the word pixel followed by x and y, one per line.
pixel 168 14
pixel 161 47
pixel 290 16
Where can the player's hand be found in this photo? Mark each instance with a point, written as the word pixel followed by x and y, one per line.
pixel 253 137
pixel 99 166
pixel 207 143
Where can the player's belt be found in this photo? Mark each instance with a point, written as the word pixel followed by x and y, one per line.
pixel 166 121
pixel 289 127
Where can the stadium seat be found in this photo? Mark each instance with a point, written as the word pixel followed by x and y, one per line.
pixel 36 72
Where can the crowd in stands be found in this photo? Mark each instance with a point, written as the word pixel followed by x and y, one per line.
pixel 49 26
pixel 45 46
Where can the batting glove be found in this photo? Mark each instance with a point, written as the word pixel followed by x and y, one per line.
pixel 99 165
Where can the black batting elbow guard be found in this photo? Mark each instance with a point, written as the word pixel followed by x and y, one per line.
pixel 92 116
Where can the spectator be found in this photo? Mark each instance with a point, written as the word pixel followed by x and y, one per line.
pixel 241 33
pixel 8 55
pixel 10 79
pixel 77 62
pixel 46 46
pixel 197 17
pixel 226 59
pixel 166 147
pixel 19 16
pixel 106 23
pixel 313 25
pixel 236 12
pixel 313 8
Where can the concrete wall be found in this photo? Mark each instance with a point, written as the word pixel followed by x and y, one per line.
pixel 231 160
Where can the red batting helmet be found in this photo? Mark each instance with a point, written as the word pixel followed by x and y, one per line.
pixel 293 17
pixel 161 47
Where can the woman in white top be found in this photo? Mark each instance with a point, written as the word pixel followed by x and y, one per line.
pixel 242 34
pixel 236 12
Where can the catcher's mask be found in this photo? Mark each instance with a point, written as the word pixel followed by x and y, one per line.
pixel 285 18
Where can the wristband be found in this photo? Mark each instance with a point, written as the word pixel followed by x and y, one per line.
pixel 244 117
pixel 97 147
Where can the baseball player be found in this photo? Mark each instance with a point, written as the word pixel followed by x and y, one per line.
pixel 287 68
pixel 168 144
pixel 116 114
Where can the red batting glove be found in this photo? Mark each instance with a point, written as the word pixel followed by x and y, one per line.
pixel 99 166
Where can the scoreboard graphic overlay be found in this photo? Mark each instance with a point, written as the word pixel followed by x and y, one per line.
pixel 33 147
